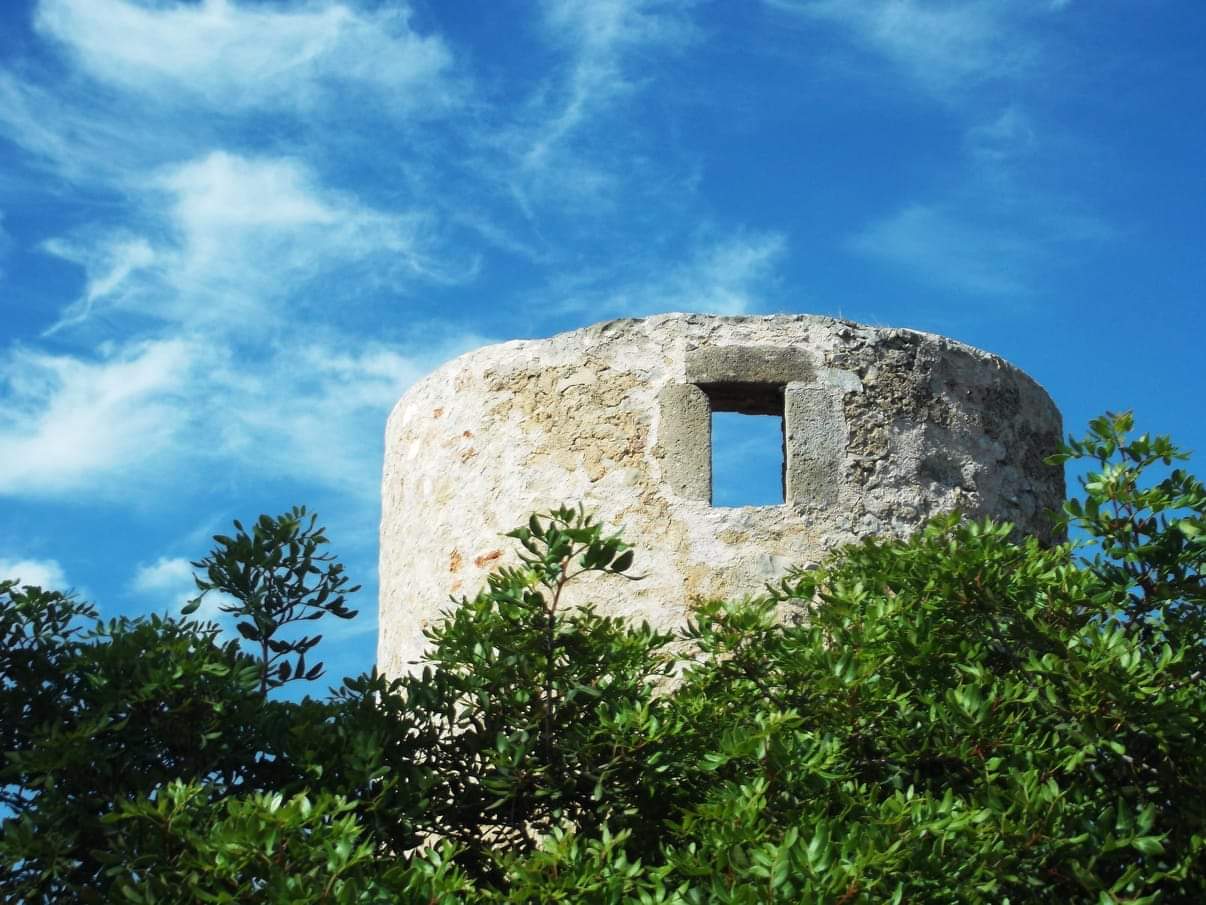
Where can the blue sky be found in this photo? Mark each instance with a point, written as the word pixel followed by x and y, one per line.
pixel 232 233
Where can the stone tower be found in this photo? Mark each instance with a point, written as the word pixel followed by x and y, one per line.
pixel 882 428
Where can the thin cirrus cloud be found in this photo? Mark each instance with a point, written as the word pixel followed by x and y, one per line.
pixel 980 250
pixel 231 213
pixel 84 427
pixel 990 231
pixel 68 422
pixel 999 142
pixel 226 206
pixel 234 367
pixel 108 266
pixel 947 48
pixel 91 137
pixel 141 83
pixel 734 274
pixel 240 56
pixel 325 426
pixel 225 368
pixel 937 245
pixel 228 271
pixel 550 142
pixel 220 217
pixel 599 37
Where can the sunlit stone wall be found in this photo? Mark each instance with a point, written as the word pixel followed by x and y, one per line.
pixel 882 428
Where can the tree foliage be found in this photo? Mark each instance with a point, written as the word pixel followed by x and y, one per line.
pixel 957 717
pixel 273 577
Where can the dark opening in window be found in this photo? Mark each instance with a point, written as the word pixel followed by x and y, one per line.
pixel 747 445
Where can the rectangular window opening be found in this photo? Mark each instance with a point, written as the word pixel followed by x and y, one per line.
pixel 747 446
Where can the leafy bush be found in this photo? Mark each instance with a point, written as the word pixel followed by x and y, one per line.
pixel 275 577
pixel 958 717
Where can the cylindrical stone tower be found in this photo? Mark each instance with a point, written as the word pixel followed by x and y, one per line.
pixel 882 428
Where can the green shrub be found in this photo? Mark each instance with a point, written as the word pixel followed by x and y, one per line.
pixel 957 717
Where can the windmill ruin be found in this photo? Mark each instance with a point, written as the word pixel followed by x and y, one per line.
pixel 881 429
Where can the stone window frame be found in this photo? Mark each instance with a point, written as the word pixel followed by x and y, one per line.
pixel 754 380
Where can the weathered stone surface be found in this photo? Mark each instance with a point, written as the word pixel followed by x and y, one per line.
pixel 748 364
pixel 685 440
pixel 815 447
pixel 883 429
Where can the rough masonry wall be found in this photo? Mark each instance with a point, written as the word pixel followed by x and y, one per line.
pixel 883 428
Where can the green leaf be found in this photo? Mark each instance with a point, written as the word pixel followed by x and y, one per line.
pixel 1148 845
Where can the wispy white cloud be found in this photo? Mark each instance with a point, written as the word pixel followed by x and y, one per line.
pixel 991 228
pixel 984 251
pixel 231 246
pixel 225 191
pixel 937 246
pixel 732 274
pixel 162 413
pixel 70 424
pixel 607 50
pixel 222 266
pixel 726 276
pixel 538 153
pixel 43 573
pixel 1001 140
pixel 948 48
pixel 210 263
pixel 89 135
pixel 598 38
pixel 314 411
pixel 38 121
pixel 233 213
pixel 108 266
pixel 142 86
pixel 5 243
pixel 242 55
pixel 220 220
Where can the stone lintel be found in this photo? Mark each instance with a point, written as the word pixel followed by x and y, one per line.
pixel 740 364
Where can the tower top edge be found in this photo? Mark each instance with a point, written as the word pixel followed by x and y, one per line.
pixel 697 329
